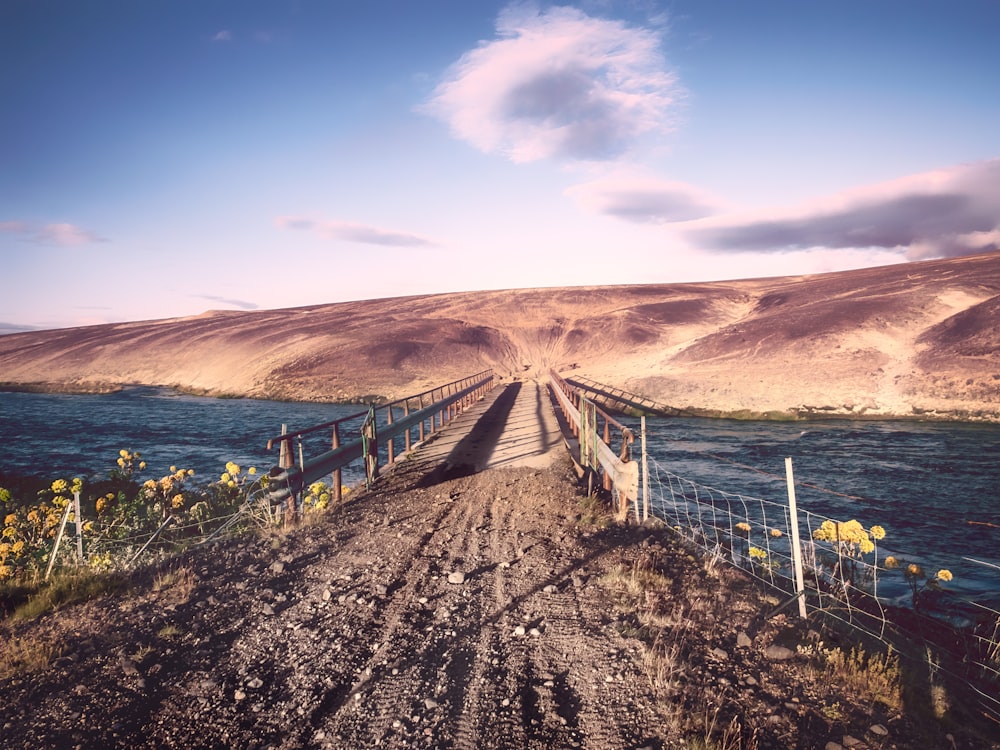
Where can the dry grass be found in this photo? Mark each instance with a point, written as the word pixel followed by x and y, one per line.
pixel 26 655
pixel 874 678
pixel 177 583
pixel 67 588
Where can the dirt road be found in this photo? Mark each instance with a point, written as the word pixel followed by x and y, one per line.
pixel 453 606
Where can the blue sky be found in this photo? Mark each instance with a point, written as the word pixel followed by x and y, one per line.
pixel 161 158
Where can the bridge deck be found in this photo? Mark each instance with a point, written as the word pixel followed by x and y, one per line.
pixel 514 425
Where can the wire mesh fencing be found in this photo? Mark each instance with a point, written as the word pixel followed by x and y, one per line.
pixel 845 576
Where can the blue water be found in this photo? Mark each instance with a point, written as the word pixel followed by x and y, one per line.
pixel 933 486
pixel 54 435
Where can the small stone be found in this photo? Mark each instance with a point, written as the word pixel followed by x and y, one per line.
pixel 550 589
pixel 743 640
pixel 255 683
pixel 850 741
pixel 879 730
pixel 520 630
pixel 267 609
pixel 534 632
pixel 778 653
pixel 719 653
pixel 505 702
pixel 278 567
pixel 751 681
pixel 422 600
pixel 430 704
pixel 831 745
pixel 381 590
pixel 457 578
pixel 549 683
pixel 239 695
pixel 327 595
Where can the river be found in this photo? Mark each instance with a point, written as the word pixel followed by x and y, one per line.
pixel 935 487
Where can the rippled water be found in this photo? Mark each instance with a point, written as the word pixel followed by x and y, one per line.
pixel 934 487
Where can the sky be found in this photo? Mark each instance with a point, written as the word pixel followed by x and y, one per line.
pixel 162 158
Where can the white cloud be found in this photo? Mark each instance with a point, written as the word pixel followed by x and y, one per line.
pixel 352 232
pixel 643 199
pixel 943 213
pixel 223 36
pixel 558 84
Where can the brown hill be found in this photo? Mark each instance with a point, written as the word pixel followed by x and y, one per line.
pixel 916 339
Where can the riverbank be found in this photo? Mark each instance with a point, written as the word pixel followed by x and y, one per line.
pixel 493 610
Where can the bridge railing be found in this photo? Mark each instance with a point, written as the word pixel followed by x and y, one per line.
pixel 597 432
pixel 424 413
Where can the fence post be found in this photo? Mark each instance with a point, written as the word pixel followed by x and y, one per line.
pixel 796 548
pixel 645 471
pixel 79 525
pixel 390 447
pixel 337 476
pixel 55 545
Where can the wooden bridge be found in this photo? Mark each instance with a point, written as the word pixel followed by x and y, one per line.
pixel 459 429
pixel 621 401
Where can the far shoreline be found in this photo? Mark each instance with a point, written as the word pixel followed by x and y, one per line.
pixel 801 414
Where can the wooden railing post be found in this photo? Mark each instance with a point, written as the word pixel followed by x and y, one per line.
pixel 406 413
pixel 389 443
pixel 337 477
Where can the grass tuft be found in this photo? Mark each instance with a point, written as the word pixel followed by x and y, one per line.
pixel 67 588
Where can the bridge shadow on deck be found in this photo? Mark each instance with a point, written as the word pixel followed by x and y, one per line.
pixel 472 452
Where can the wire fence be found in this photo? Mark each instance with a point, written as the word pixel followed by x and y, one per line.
pixel 844 577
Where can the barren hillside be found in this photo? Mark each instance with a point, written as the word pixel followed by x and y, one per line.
pixel 917 339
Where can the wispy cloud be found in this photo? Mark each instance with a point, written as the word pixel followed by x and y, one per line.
pixel 352 232
pixel 241 304
pixel 643 199
pixel 560 84
pixel 223 36
pixel 943 213
pixel 61 234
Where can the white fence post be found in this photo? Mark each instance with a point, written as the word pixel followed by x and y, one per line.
pixel 645 471
pixel 59 536
pixel 79 525
pixel 796 549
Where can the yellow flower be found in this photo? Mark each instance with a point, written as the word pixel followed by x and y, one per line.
pixel 776 533
pixel 757 553
pixel 231 484
pixel 101 504
pixel 225 478
pixel 173 469
pixel 121 462
pixel 877 532
pixel 142 466
pixel 89 527
pixel 743 526
pixel 6 572
pixel 944 575
pixel 866 545
pixel 178 501
pixel 914 570
pixel 252 470
pixel 18 547
pixel 10 520
pixel 123 453
pixel 190 472
pixel 59 486
pixel 891 562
